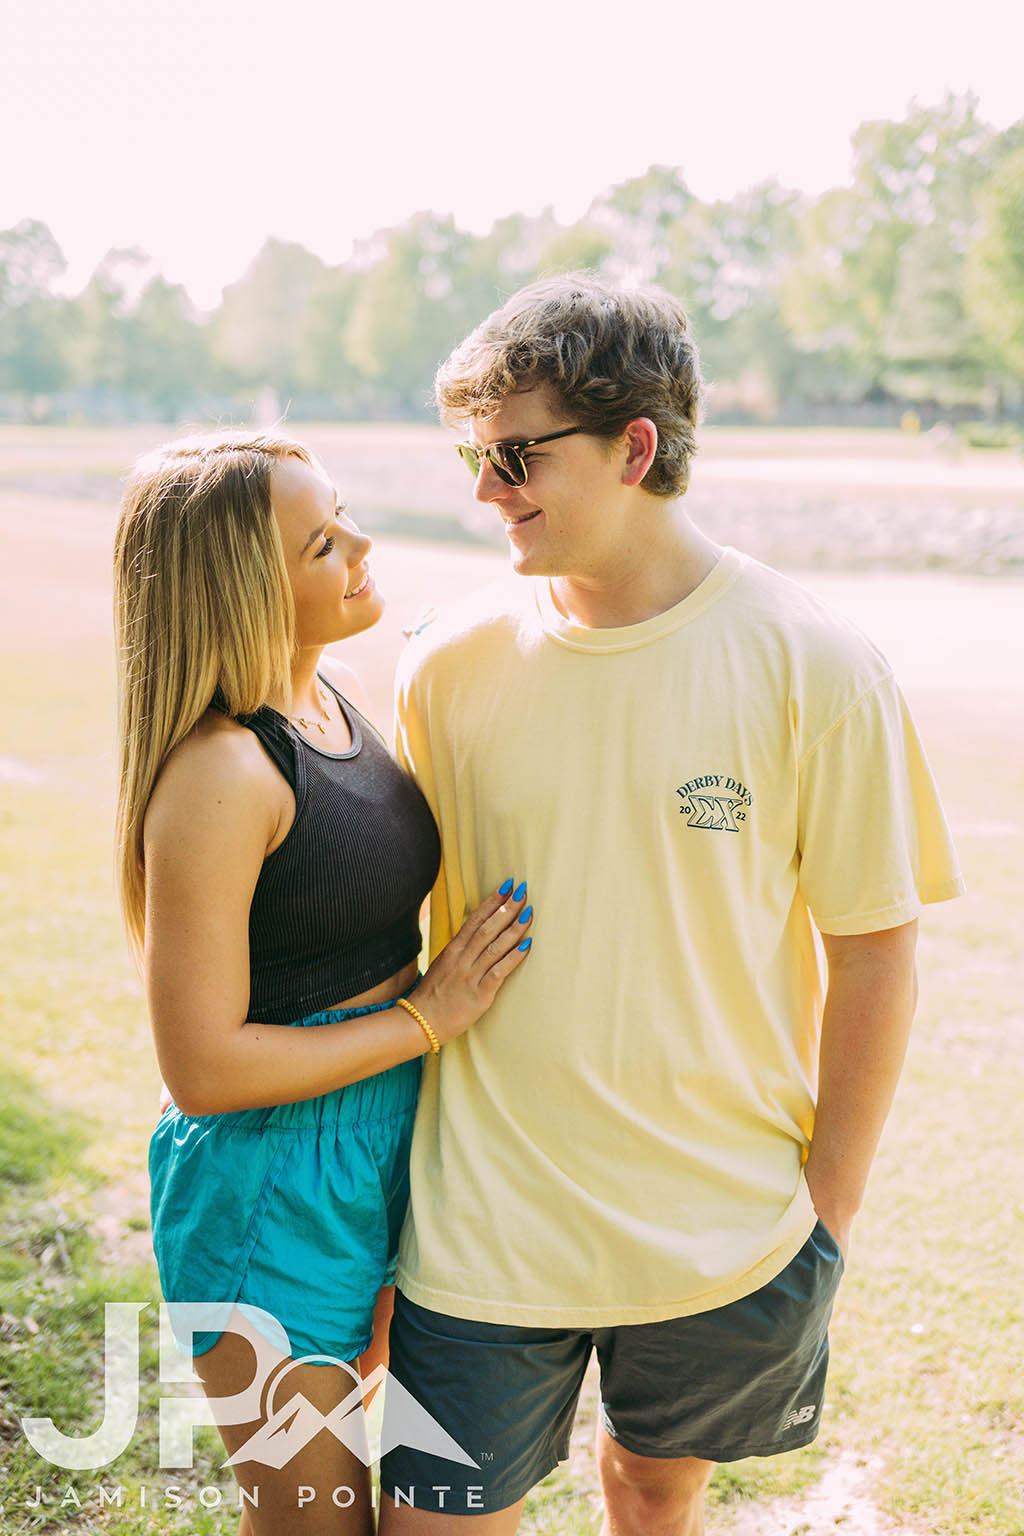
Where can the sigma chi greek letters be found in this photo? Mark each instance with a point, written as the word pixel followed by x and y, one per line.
pixel 715 802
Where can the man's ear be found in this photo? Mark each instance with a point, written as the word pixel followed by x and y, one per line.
pixel 641 439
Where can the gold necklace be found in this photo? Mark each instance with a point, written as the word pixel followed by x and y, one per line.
pixel 307 725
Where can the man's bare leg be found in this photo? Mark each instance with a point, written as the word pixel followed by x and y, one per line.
pixel 648 1495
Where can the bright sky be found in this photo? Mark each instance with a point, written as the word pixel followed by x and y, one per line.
pixel 196 128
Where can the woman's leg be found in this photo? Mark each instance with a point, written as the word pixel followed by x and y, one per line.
pixel 377 1353
pixel 323 1489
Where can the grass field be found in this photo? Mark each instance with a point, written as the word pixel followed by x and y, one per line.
pixel 924 1431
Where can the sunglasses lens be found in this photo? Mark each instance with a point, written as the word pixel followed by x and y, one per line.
pixel 508 464
pixel 469 457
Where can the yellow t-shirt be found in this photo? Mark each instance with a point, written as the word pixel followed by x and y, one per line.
pixel 621 1138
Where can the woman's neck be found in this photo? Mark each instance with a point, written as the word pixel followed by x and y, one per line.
pixel 305 693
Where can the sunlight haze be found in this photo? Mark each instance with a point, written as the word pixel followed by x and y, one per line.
pixel 197 128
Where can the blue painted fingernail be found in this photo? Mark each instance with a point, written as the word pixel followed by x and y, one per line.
pixel 503 890
pixel 524 917
pixel 524 946
pixel 520 893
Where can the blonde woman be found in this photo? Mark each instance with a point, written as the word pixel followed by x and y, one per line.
pixel 273 859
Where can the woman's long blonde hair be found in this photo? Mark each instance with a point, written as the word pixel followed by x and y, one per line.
pixel 203 612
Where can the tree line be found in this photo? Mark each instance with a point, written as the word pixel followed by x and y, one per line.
pixel 903 289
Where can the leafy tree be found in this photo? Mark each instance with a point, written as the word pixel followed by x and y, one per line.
pixel 408 312
pixel 34 326
pixel 929 343
pixel 637 216
pixel 166 354
pixel 258 333
pixel 727 261
pixel 995 264
pixel 577 247
pixel 491 268
pixel 909 281
pixel 323 365
pixel 102 343
pixel 30 260
pixel 851 292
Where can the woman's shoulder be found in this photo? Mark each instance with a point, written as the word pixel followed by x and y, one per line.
pixel 219 760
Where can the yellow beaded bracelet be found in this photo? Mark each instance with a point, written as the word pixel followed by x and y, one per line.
pixel 435 1044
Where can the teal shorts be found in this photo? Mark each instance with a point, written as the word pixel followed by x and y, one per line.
pixel 295 1210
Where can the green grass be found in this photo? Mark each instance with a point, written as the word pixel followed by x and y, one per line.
pixel 55 1285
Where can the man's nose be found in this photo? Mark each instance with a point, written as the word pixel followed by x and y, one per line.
pixel 489 484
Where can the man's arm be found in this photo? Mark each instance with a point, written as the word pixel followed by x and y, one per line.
pixel 872 993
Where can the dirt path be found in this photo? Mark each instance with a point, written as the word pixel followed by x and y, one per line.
pixel 840 1504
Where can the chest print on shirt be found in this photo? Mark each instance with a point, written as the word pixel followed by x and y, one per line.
pixel 715 802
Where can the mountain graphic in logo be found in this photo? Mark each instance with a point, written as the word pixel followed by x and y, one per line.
pixel 405 1422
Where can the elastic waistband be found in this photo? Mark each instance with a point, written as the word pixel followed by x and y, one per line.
pixel 384 1096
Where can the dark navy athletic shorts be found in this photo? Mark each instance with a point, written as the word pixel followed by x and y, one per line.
pixel 745 1379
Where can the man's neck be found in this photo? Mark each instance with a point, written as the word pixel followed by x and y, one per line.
pixel 649 582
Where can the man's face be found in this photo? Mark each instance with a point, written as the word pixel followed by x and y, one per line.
pixel 570 517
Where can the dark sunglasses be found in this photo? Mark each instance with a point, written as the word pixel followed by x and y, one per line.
pixel 506 459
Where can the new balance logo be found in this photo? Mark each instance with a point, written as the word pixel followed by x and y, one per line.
pixel 800 1416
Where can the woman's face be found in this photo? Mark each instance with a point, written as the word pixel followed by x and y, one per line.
pixel 325 554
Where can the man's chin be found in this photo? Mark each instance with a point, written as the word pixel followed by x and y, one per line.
pixel 530 562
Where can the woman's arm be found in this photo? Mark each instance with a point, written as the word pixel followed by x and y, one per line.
pixel 213 813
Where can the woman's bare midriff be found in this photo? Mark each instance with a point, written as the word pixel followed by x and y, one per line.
pixel 384 991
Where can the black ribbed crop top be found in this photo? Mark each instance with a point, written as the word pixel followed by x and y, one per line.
pixel 336 906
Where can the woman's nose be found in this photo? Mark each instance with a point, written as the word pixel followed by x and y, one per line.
pixel 359 544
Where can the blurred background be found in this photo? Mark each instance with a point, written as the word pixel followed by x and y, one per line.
pixel 894 295
pixel 216 212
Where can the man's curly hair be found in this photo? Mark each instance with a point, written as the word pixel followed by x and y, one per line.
pixel 609 354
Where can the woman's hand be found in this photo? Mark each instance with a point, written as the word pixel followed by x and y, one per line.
pixel 463 981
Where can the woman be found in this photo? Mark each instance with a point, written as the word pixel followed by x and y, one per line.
pixel 273 861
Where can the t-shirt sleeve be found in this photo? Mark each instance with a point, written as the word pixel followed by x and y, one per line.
pixel 408 734
pixel 412 749
pixel 873 841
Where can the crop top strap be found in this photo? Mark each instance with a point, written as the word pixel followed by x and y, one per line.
pixel 349 710
pixel 280 744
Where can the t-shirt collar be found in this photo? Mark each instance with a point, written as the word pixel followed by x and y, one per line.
pixel 578 638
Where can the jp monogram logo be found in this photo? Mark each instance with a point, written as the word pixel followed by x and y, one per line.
pixel 715 802
pixel 289 1420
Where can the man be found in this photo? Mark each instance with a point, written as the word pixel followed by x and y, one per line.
pixel 657 1140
